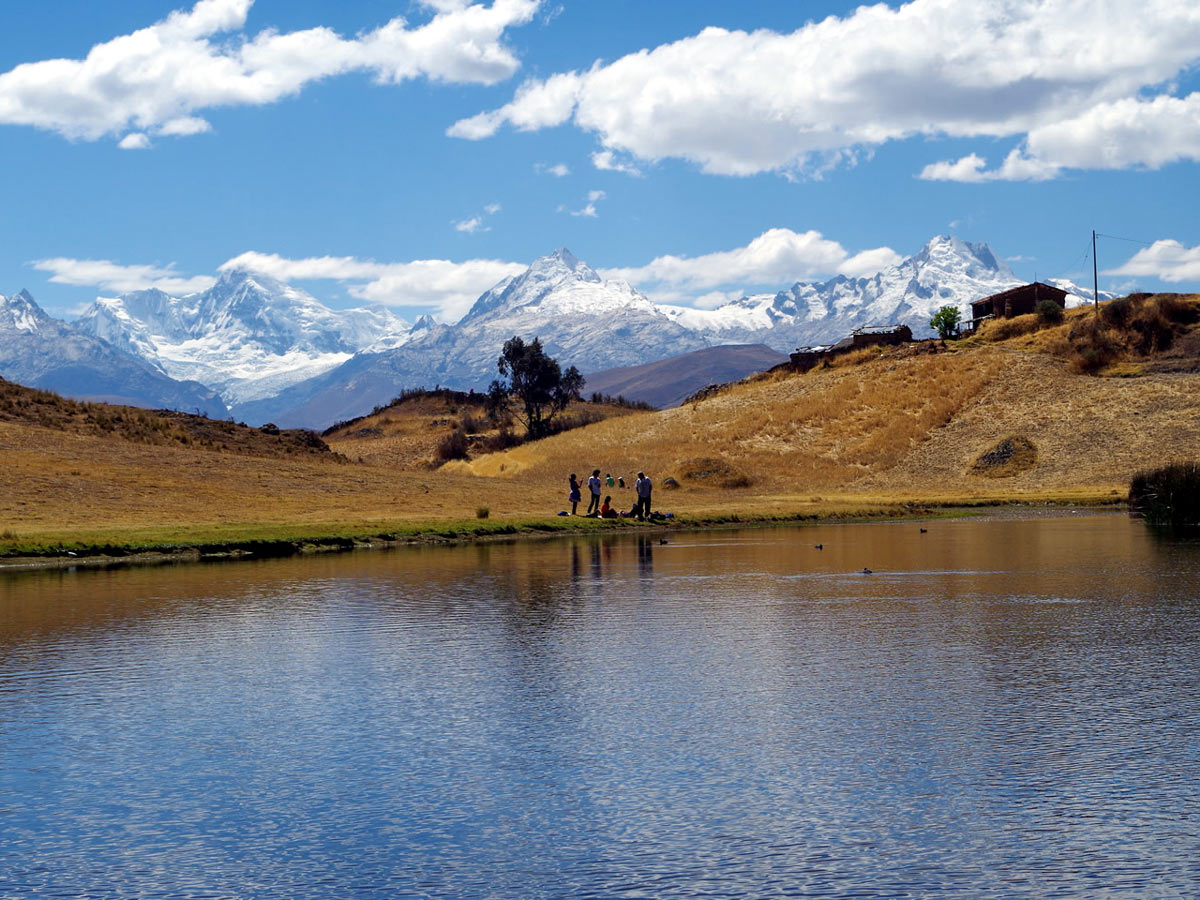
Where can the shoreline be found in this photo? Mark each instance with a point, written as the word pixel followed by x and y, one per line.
pixel 118 555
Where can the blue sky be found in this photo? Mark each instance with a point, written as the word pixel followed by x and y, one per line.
pixel 412 154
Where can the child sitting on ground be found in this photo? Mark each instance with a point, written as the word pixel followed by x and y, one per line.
pixel 606 510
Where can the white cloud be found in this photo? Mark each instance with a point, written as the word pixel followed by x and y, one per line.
pixel 606 160
pixel 738 103
pixel 151 82
pixel 537 104
pixel 775 258
pixel 589 211
pixel 1168 260
pixel 713 299
pixel 558 170
pixel 135 140
pixel 110 276
pixel 477 223
pixel 471 225
pixel 447 287
pixel 1123 134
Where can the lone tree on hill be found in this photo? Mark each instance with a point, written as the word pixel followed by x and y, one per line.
pixel 536 381
pixel 945 321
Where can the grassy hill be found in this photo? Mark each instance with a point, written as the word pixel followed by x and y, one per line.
pixel 911 422
pixel 1026 410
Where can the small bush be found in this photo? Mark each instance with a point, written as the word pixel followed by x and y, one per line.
pixel 1117 312
pixel 502 440
pixel 1049 312
pixel 482 512
pixel 452 446
pixel 1167 496
pixel 716 472
pixel 1012 456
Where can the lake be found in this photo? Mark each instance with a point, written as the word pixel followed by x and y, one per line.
pixel 1000 709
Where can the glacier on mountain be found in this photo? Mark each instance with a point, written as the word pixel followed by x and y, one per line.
pixel 276 353
pixel 249 336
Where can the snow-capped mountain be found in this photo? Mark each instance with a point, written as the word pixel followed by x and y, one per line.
pixel 38 350
pixel 945 271
pixel 582 320
pixel 249 336
pixel 275 353
pixel 594 324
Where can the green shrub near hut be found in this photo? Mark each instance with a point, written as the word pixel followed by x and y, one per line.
pixel 1168 496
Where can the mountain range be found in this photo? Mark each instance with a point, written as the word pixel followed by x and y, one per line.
pixel 273 352
pixel 40 351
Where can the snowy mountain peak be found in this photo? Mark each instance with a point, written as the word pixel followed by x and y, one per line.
pixel 19 312
pixel 559 265
pixel 951 254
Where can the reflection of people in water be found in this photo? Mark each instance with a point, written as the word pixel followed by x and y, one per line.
pixel 645 551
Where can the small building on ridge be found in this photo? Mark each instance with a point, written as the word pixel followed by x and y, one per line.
pixel 804 358
pixel 1018 301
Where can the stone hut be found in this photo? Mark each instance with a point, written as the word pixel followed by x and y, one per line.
pixel 1018 301
pixel 805 358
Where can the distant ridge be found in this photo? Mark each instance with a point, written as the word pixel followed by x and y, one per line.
pixel 667 382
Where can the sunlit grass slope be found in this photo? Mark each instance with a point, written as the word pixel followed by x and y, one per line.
pixel 904 424
pixel 919 425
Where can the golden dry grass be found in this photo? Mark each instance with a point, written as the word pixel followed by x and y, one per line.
pixel 406 434
pixel 894 427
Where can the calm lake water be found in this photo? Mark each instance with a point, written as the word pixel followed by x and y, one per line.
pixel 1002 709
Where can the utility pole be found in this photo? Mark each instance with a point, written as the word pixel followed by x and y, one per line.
pixel 1095 282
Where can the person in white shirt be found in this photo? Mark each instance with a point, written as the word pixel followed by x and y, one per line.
pixel 642 487
pixel 594 486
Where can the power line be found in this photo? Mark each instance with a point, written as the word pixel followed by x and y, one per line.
pixel 1129 240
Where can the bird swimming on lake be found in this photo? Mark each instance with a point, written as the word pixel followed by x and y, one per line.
pixel 924 531
pixel 818 546
pixel 867 571
pixel 663 541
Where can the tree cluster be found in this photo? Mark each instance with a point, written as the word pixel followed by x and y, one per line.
pixel 532 386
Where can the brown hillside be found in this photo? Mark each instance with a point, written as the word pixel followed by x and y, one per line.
pixel 405 433
pixel 21 405
pixel 992 417
pixel 909 422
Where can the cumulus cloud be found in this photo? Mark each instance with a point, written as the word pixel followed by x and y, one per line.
pixel 558 170
pixel 448 288
pixel 607 161
pixel 739 103
pixel 1168 260
pixel 477 223
pixel 116 278
pixel 589 210
pixel 775 258
pixel 151 82
pixel 136 140
pixel 1123 134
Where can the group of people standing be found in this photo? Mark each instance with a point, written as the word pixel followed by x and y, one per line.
pixel 642 489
